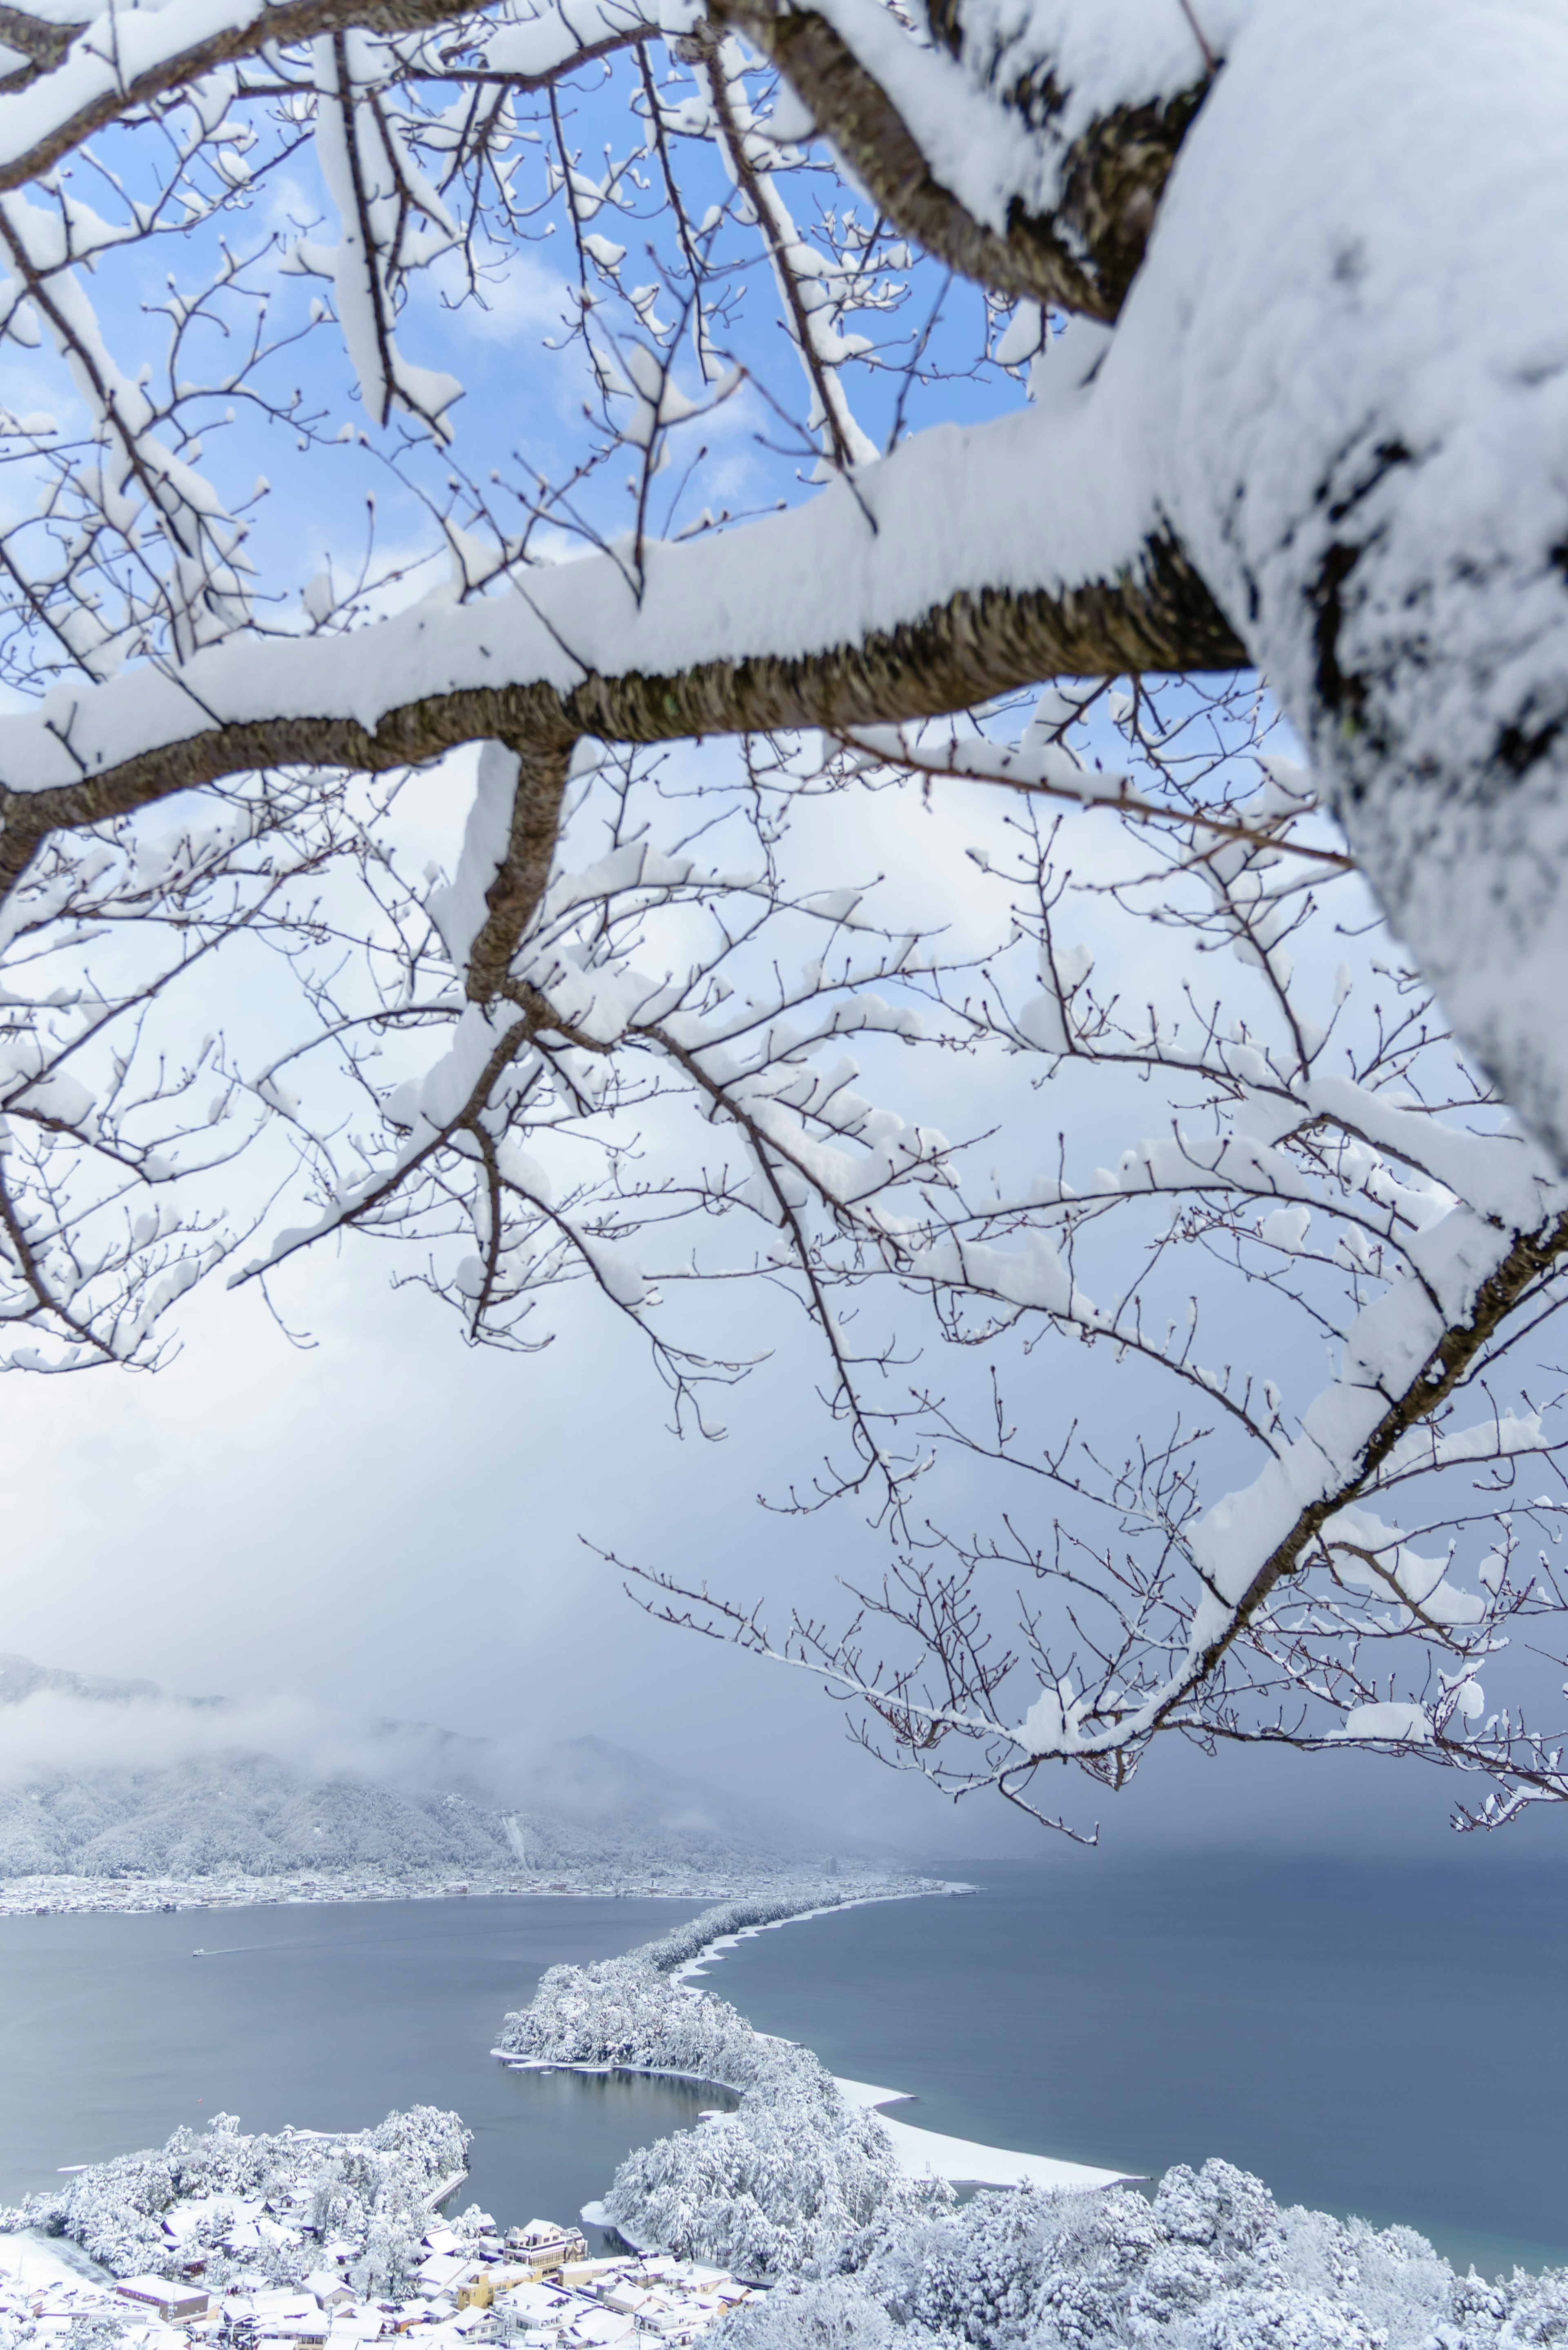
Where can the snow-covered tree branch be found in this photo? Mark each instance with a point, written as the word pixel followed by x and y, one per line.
pixel 1311 1165
pixel 1309 471
pixel 864 371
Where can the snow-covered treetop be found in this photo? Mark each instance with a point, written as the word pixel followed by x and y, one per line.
pixel 1211 2259
pixel 791 2181
pixel 261 2205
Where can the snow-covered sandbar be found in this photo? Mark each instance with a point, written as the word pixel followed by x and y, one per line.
pixel 803 2163
pixel 963 2162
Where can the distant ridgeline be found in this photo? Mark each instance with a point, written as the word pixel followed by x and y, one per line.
pixel 247 1814
pixel 159 1793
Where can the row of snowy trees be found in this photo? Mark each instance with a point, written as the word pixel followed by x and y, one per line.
pixel 781 2186
pixel 677 1949
pixel 628 2011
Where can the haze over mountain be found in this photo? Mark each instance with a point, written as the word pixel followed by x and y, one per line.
pixel 102 1778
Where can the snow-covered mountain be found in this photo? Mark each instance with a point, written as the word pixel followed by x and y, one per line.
pixel 100 1778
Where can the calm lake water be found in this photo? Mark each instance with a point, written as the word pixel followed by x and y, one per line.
pixel 1382 2039
pixel 113 2033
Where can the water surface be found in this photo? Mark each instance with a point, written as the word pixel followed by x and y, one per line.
pixel 1382 2039
pixel 1385 2040
pixel 113 2033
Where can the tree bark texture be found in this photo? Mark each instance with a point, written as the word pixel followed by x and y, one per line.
pixel 1363 457
pixel 972 647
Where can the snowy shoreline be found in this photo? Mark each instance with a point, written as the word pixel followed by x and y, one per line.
pixel 71 1896
pixel 921 2154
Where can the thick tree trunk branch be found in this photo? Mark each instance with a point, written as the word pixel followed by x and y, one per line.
pixel 956 655
pixel 1082 257
pixel 520 881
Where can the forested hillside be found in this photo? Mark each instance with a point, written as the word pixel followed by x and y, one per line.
pixel 416 1798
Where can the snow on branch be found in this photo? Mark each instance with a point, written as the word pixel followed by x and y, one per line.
pixel 819 616
pixel 1048 194
pixel 90 72
pixel 752 452
pixel 1352 1176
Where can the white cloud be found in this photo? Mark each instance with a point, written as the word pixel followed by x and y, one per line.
pixel 54 1731
pixel 527 298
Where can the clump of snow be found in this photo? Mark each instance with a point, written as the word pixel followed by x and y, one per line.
pixel 1060 70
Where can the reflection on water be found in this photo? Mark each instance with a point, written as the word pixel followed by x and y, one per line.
pixel 551 2126
pixel 113 2031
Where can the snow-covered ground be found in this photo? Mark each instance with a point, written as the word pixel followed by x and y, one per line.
pixel 32 2265
pixel 43 1894
pixel 963 2161
pixel 311 2242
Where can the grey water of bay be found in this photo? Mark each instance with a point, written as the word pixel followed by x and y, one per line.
pixel 1381 2040
pixel 116 2029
